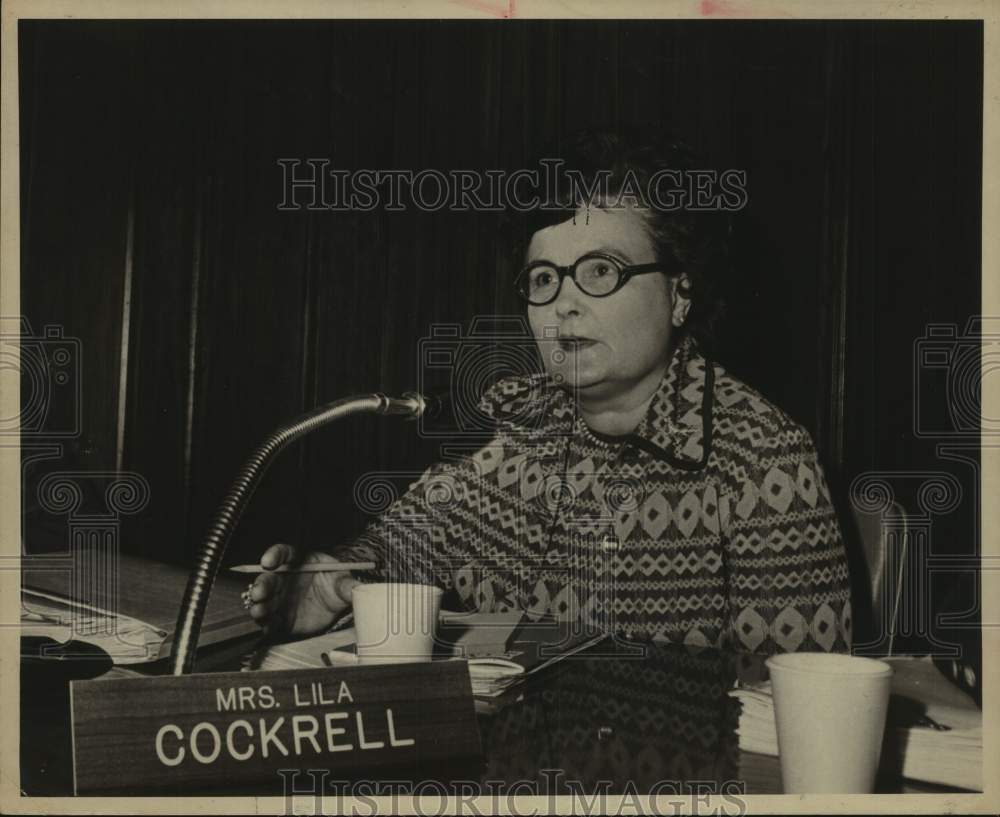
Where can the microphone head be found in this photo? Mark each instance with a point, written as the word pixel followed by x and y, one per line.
pixel 434 405
pixel 426 406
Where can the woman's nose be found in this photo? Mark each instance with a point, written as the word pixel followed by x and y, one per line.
pixel 568 301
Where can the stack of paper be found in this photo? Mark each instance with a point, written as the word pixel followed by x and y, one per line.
pixel 500 651
pixel 307 653
pixel 126 640
pixel 934 726
pixel 129 610
pixel 490 676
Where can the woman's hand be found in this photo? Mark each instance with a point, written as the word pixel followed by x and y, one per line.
pixel 298 603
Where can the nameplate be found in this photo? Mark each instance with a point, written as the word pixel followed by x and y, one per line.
pixel 240 728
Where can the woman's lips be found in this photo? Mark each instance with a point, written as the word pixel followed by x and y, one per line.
pixel 575 344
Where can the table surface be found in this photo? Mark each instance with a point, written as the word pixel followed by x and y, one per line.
pixel 615 718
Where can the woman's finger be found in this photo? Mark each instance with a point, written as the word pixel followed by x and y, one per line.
pixel 277 555
pixel 259 612
pixel 343 586
pixel 268 582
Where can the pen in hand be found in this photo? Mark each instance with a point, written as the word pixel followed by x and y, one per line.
pixel 324 567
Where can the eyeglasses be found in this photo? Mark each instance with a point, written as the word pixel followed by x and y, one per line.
pixel 595 273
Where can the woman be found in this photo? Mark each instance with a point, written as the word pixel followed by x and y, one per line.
pixel 637 488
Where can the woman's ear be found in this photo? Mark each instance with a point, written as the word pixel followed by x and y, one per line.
pixel 681 303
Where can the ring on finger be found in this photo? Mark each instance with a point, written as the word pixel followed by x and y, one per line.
pixel 246 596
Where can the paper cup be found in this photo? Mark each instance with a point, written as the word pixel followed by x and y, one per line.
pixel 830 716
pixel 395 623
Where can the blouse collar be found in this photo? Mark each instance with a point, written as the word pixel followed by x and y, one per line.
pixel 676 428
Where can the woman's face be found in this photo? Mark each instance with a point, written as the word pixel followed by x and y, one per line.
pixel 628 333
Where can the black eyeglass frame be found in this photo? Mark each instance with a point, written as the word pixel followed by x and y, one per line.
pixel 625 272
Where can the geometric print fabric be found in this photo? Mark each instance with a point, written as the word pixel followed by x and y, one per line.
pixel 712 524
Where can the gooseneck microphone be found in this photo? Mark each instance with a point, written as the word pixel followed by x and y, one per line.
pixel 192 612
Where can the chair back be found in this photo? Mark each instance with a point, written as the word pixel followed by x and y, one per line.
pixel 884 540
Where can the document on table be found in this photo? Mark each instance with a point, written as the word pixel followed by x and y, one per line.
pixel 130 613
pixel 500 652
pixel 125 639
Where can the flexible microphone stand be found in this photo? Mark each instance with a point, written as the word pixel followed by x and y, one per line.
pixel 199 586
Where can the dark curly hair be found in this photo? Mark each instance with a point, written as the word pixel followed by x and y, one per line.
pixel 686 240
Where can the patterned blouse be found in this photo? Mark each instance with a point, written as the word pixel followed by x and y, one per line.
pixel 711 524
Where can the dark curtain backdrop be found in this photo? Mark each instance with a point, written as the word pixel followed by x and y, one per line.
pixel 207 317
